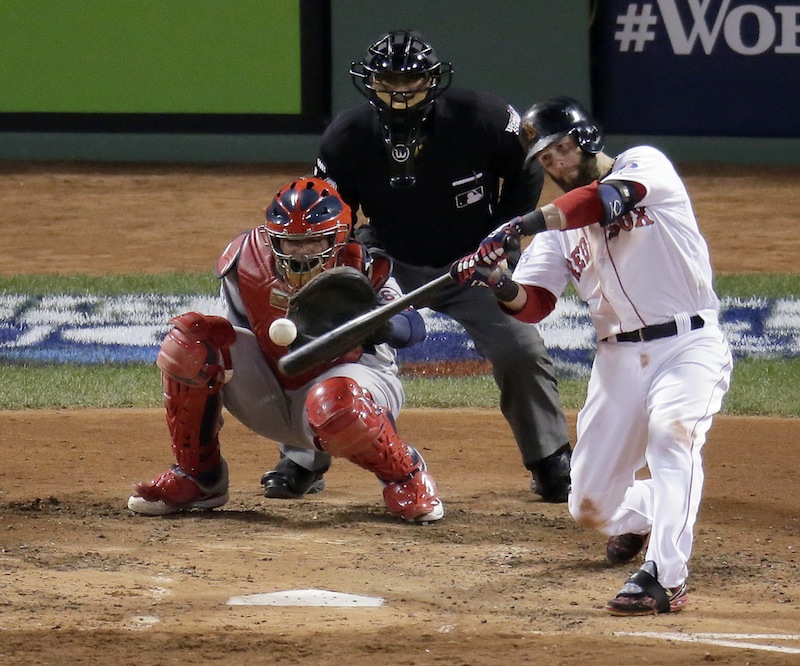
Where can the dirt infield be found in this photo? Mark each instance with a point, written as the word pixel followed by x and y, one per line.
pixel 113 218
pixel 503 579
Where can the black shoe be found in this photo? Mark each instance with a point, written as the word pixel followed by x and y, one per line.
pixel 551 476
pixel 290 481
pixel 622 548
pixel 644 595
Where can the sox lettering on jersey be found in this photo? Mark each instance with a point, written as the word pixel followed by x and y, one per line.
pixel 635 219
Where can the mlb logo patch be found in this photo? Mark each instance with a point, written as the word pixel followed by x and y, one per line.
pixel 464 199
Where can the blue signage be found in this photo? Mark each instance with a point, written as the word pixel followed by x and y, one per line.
pixel 696 67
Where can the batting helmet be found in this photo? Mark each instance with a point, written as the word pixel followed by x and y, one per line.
pixel 551 120
pixel 306 209
pixel 401 76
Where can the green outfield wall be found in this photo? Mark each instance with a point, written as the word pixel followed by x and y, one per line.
pixel 257 80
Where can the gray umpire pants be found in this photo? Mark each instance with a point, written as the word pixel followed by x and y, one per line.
pixel 521 367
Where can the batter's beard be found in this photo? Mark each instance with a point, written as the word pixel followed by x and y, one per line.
pixel 587 172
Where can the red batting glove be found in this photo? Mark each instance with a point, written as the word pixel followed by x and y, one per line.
pixel 463 270
pixel 468 273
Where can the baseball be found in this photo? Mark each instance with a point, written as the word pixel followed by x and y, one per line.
pixel 282 332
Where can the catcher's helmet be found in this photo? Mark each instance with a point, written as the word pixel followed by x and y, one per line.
pixel 306 209
pixel 401 76
pixel 551 120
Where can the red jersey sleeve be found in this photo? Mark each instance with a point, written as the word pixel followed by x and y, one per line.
pixel 540 303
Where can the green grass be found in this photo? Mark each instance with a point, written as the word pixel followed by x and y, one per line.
pixel 759 386
pixel 111 285
pixel 64 385
pixel 763 285
pixel 764 387
pixel 475 392
pixel 766 285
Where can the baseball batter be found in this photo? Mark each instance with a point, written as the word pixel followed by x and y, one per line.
pixel 625 235
pixel 344 408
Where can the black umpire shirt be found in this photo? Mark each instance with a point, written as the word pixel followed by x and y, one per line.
pixel 471 150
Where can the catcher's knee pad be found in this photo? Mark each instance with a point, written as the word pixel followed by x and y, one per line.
pixel 348 424
pixel 196 351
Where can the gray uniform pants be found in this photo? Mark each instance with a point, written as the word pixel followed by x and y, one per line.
pixel 255 397
pixel 521 367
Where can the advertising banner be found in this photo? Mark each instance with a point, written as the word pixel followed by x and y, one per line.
pixel 697 67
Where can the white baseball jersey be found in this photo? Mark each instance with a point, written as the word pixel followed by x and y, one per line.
pixel 644 269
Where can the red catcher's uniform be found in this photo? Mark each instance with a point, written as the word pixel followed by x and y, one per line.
pixel 258 296
pixel 345 409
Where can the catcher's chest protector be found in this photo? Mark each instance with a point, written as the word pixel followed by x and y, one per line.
pixel 266 298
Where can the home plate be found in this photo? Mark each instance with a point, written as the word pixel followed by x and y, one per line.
pixel 305 598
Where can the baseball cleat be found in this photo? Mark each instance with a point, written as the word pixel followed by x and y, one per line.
pixel 288 480
pixel 643 595
pixel 176 491
pixel 415 498
pixel 622 548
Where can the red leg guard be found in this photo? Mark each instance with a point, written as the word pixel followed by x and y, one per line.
pixel 194 419
pixel 349 424
pixel 195 352
pixel 194 361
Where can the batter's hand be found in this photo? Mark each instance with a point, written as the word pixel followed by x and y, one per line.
pixel 497 244
pixel 463 270
pixel 507 238
pixel 472 274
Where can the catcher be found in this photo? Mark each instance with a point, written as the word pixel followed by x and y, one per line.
pixel 301 264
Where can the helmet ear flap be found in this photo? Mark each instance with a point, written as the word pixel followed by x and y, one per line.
pixel 590 139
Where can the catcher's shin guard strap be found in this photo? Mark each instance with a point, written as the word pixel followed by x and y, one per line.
pixel 349 424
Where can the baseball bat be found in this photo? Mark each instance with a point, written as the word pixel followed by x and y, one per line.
pixel 346 336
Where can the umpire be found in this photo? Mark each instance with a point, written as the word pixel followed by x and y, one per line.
pixel 425 164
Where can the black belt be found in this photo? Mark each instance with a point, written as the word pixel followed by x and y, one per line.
pixel 656 331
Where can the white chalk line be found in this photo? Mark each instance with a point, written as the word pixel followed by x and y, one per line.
pixel 722 640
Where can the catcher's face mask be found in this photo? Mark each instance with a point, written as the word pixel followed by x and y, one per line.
pixel 307 223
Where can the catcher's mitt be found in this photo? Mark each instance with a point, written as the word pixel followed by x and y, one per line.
pixel 329 300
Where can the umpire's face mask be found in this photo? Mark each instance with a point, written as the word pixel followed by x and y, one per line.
pixel 404 103
pixel 401 92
